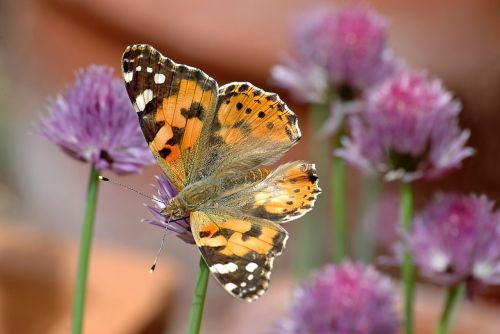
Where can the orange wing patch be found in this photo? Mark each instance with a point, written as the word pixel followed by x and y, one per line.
pixel 245 111
pixel 238 251
pixel 286 194
pixel 172 102
pixel 239 237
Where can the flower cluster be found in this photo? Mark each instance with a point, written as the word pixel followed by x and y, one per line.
pixel 350 298
pixel 457 239
pixel 338 55
pixel 408 130
pixel 93 121
pixel 164 192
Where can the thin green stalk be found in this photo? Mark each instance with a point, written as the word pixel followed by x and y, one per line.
pixel 366 225
pixel 408 270
pixel 339 204
pixel 200 291
pixel 83 257
pixel 312 229
pixel 454 294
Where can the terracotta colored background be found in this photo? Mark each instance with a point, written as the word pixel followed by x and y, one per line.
pixel 43 42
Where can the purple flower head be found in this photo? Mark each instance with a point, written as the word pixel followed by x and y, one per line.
pixel 164 192
pixel 306 82
pixel 409 130
pixel 339 55
pixel 350 43
pixel 93 121
pixel 457 239
pixel 346 299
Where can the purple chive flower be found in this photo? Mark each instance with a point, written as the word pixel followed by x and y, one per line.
pixel 93 121
pixel 409 130
pixel 346 299
pixel 340 53
pixel 164 192
pixel 456 239
pixel 306 82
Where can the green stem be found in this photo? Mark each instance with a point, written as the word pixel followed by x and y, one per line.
pixel 408 270
pixel 454 294
pixel 339 203
pixel 198 302
pixel 312 229
pixel 83 257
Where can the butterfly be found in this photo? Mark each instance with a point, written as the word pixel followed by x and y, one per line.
pixel 212 143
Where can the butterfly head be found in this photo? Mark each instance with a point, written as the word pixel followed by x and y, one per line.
pixel 175 208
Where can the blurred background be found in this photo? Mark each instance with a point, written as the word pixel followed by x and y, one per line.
pixel 42 191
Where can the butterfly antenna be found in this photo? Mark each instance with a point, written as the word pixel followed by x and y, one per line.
pixel 153 267
pixel 103 178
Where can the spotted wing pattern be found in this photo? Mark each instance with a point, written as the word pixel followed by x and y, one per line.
pixel 286 194
pixel 173 102
pixel 239 250
pixel 246 112
pixel 251 128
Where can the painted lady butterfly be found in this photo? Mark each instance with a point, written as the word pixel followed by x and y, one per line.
pixel 211 143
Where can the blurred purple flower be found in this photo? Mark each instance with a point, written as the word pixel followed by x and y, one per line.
pixel 307 82
pixel 346 299
pixel 336 53
pixel 351 43
pixel 457 239
pixel 164 192
pixel 409 130
pixel 93 121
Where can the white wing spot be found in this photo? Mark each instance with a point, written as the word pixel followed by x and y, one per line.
pixel 143 99
pixel 250 277
pixel 128 76
pixel 149 69
pixel 138 68
pixel 221 268
pixel 231 267
pixel 148 95
pixel 139 103
pixel 159 78
pixel 230 286
pixel 243 284
pixel 251 267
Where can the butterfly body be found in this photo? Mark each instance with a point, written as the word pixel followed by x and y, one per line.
pixel 212 143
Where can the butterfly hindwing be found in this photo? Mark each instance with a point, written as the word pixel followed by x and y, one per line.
pixel 173 103
pixel 286 194
pixel 239 250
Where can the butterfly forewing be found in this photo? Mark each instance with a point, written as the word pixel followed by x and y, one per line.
pixel 251 128
pixel 173 103
pixel 246 111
